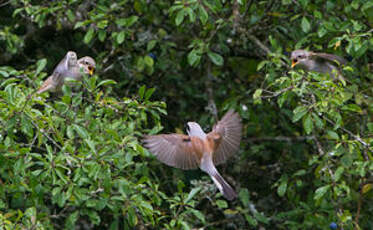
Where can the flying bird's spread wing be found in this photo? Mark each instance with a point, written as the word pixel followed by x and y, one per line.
pixel 177 150
pixel 330 57
pixel 230 130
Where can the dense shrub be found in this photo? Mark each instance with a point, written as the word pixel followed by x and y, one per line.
pixel 74 159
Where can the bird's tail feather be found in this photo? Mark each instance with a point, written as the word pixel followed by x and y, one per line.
pixel 223 186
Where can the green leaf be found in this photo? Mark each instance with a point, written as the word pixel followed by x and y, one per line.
pixel 26 126
pixel 216 58
pixel 338 173
pixel 203 15
pixel 82 132
pixel 261 217
pixel 127 22
pixel 120 37
pixel 194 58
pixel 121 22
pixel 4 73
pixel 257 96
pixel 40 65
pixel 192 194
pixel 131 20
pixel 332 135
pixel 305 24
pixel 70 15
pixel 70 132
pixel 318 122
pixel 370 126
pixel 141 91
pixel 149 61
pixel 366 188
pixel 308 124
pixel 80 24
pixel 151 45
pixel 102 24
pixel 191 14
pixel 282 188
pixel 244 197
pixel 199 215
pixel 89 35
pixel 106 82
pixel 179 17
pixel 261 65
pixel 71 220
pixel 352 108
pixel 91 145
pixel 132 217
pixel 101 35
pixel 251 220
pixel 149 93
pixel 175 7
pixel 300 172
pixel 222 204
pixel 140 64
pixel 320 192
pixel 299 112
pixel 367 5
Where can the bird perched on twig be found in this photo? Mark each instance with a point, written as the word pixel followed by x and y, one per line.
pixel 69 67
pixel 201 150
pixel 318 62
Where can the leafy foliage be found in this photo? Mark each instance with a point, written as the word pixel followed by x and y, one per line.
pixel 75 160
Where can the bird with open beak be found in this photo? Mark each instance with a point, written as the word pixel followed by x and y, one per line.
pixel 201 150
pixel 318 62
pixel 69 67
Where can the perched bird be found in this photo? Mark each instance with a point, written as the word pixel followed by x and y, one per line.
pixel 318 62
pixel 198 149
pixel 69 67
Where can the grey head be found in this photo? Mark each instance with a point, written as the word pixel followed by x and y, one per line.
pixel 300 58
pixel 87 64
pixel 195 130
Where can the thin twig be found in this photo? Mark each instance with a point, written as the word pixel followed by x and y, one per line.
pixel 44 134
pixel 5 3
pixel 319 146
pixel 278 93
pixel 342 128
pixel 357 138
pixel 259 43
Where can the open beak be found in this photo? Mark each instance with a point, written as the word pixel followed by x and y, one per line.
pixel 91 70
pixel 294 62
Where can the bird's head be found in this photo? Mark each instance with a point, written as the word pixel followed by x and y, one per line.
pixel 299 57
pixel 88 65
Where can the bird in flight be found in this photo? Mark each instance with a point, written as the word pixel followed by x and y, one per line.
pixel 201 150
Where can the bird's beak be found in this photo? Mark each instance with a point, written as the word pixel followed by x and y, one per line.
pixel 91 70
pixel 293 63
